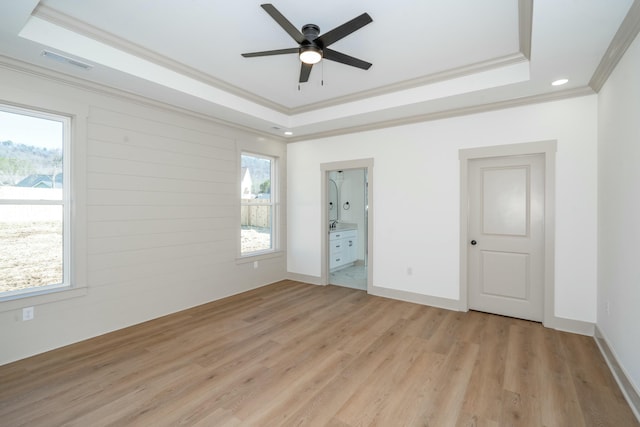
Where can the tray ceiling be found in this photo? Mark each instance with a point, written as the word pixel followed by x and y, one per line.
pixel 429 57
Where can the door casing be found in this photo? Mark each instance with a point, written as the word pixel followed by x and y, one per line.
pixel 548 149
pixel 325 168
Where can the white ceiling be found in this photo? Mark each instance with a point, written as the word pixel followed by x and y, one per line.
pixel 430 57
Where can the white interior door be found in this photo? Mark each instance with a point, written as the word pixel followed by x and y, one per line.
pixel 506 236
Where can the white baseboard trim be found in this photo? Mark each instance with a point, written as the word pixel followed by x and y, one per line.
pixel 313 280
pixel 629 391
pixel 446 303
pixel 569 325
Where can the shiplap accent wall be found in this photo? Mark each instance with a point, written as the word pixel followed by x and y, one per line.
pixel 161 202
pixel 157 201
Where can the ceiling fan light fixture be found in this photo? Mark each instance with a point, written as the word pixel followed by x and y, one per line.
pixel 310 54
pixel 312 47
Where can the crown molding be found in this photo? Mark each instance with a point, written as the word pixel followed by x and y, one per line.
pixel 64 79
pixel 58 18
pixel 456 112
pixel 525 17
pixel 623 38
pixel 465 70
pixel 525 26
pixel 100 89
pixel 525 11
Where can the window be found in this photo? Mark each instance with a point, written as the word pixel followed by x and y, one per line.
pixel 257 204
pixel 34 202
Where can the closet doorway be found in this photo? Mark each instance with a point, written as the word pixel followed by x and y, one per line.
pixel 346 224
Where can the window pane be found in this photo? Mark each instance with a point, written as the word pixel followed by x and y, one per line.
pixel 31 242
pixel 30 157
pixel 255 178
pixel 256 215
pixel 256 237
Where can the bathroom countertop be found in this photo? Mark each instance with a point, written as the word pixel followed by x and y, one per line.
pixel 344 226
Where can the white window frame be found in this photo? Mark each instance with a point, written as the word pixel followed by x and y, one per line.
pixel 274 203
pixel 65 202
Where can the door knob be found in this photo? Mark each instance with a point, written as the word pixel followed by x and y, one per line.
pixel 473 243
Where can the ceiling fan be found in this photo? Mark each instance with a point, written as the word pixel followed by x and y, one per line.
pixel 313 47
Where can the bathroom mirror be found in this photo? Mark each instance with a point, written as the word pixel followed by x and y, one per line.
pixel 333 200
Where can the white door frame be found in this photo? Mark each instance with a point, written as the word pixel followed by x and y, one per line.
pixel 548 149
pixel 325 168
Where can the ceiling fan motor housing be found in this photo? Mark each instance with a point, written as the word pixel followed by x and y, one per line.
pixel 311 32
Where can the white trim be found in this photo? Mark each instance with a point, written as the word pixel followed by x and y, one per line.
pixel 60 19
pixel 447 114
pixel 259 256
pixel 40 298
pixel 22 67
pixel 76 82
pixel 548 148
pixel 570 325
pixel 65 202
pixel 275 249
pixel 525 21
pixel 626 34
pixel 465 70
pixel 432 301
pixel 629 390
pixel 57 18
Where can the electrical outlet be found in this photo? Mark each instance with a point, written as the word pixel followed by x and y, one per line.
pixel 28 313
pixel 608 308
pixel 409 271
pixel 255 264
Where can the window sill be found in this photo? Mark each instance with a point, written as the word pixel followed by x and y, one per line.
pixel 259 256
pixel 18 301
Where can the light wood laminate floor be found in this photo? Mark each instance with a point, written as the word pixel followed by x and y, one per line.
pixel 296 354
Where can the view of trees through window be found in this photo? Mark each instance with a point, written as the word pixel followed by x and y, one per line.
pixel 31 201
pixel 257 207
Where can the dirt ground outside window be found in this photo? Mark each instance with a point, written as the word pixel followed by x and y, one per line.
pixel 30 254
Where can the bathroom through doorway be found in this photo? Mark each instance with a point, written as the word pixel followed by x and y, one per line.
pixel 346 218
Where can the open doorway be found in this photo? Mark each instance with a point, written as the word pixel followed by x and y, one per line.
pixel 347 212
pixel 346 224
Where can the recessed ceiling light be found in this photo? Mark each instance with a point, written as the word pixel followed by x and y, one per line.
pixel 560 82
pixel 288 133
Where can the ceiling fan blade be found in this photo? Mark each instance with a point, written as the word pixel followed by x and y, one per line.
pixel 305 70
pixel 284 22
pixel 345 59
pixel 343 30
pixel 271 52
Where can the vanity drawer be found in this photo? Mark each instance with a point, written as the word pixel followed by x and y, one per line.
pixel 337 245
pixel 346 234
pixel 342 248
